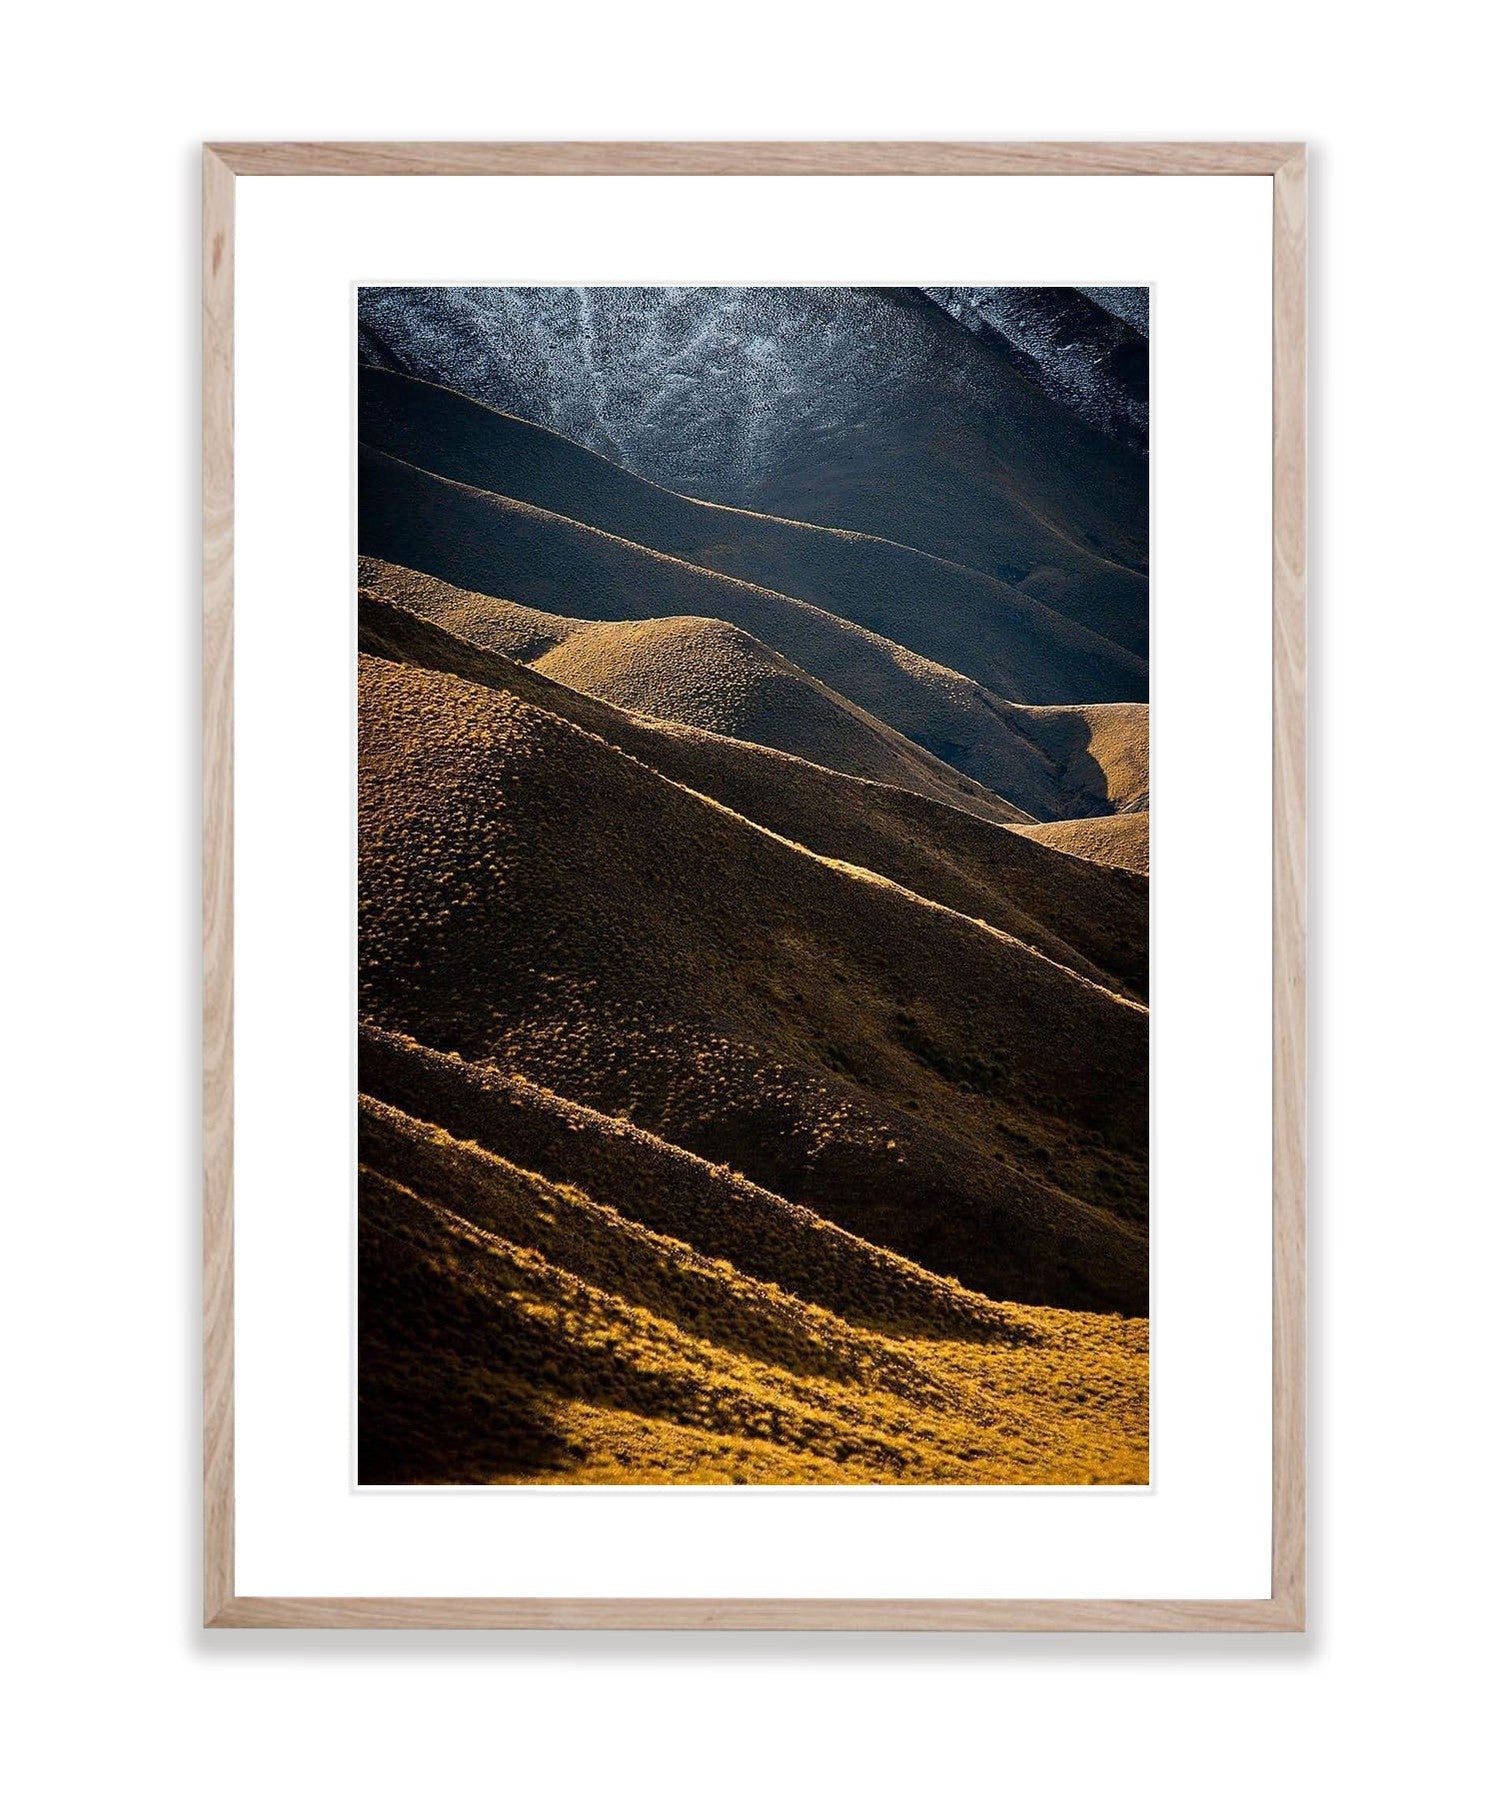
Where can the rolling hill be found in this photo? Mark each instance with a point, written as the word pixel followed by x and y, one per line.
pixel 1121 842
pixel 753 886
pixel 719 1213
pixel 531 896
pixel 696 672
pixel 700 671
pixel 1094 923
pixel 489 545
pixel 517 1330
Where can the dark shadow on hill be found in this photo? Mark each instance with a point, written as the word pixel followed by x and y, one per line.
pixel 670 1191
pixel 1066 739
pixel 466 1348
pixel 436 1403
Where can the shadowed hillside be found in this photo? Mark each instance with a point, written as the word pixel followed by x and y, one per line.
pixel 965 621
pixel 531 896
pixel 492 546
pixel 1100 753
pixel 698 672
pixel 1095 923
pixel 1071 343
pixel 868 410
pixel 719 1213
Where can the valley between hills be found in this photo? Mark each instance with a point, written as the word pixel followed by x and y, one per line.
pixel 754 904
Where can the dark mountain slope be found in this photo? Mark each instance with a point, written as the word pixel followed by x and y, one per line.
pixel 863 409
pixel 1092 358
pixel 968 622
pixel 492 545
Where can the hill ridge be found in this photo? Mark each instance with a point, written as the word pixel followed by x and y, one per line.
pixel 488 544
pixel 864 409
pixel 703 673
pixel 942 851
pixel 858 872
pixel 492 926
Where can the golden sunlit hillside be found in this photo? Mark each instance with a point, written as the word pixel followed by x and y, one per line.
pixel 531 896
pixel 1095 923
pixel 547 1337
pixel 1122 841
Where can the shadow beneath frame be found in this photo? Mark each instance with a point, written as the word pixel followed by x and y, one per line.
pixel 746 1649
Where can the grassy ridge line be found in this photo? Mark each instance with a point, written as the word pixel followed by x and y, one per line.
pixel 1122 842
pixel 669 1190
pixel 591 1238
pixel 706 673
pixel 486 1355
pixel 487 544
pixel 699 672
pixel 964 620
pixel 531 895
pixel 1097 926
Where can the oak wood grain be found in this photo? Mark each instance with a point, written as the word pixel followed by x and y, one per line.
pixel 753 158
pixel 1113 1615
pixel 218 885
pixel 1288 833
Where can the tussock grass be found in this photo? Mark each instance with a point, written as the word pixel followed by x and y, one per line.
pixel 1095 923
pixel 719 1213
pixel 512 1329
pixel 1122 842
pixel 531 896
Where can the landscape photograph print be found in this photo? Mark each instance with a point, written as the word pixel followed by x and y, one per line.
pixel 753 886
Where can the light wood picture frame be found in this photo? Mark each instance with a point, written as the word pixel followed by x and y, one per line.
pixel 1285 163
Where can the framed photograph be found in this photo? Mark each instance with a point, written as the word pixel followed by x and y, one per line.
pixel 754 810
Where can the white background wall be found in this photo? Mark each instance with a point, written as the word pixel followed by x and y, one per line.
pixel 105 109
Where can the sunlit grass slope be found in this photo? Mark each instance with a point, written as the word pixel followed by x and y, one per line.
pixel 1100 752
pixel 1122 842
pixel 516 1329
